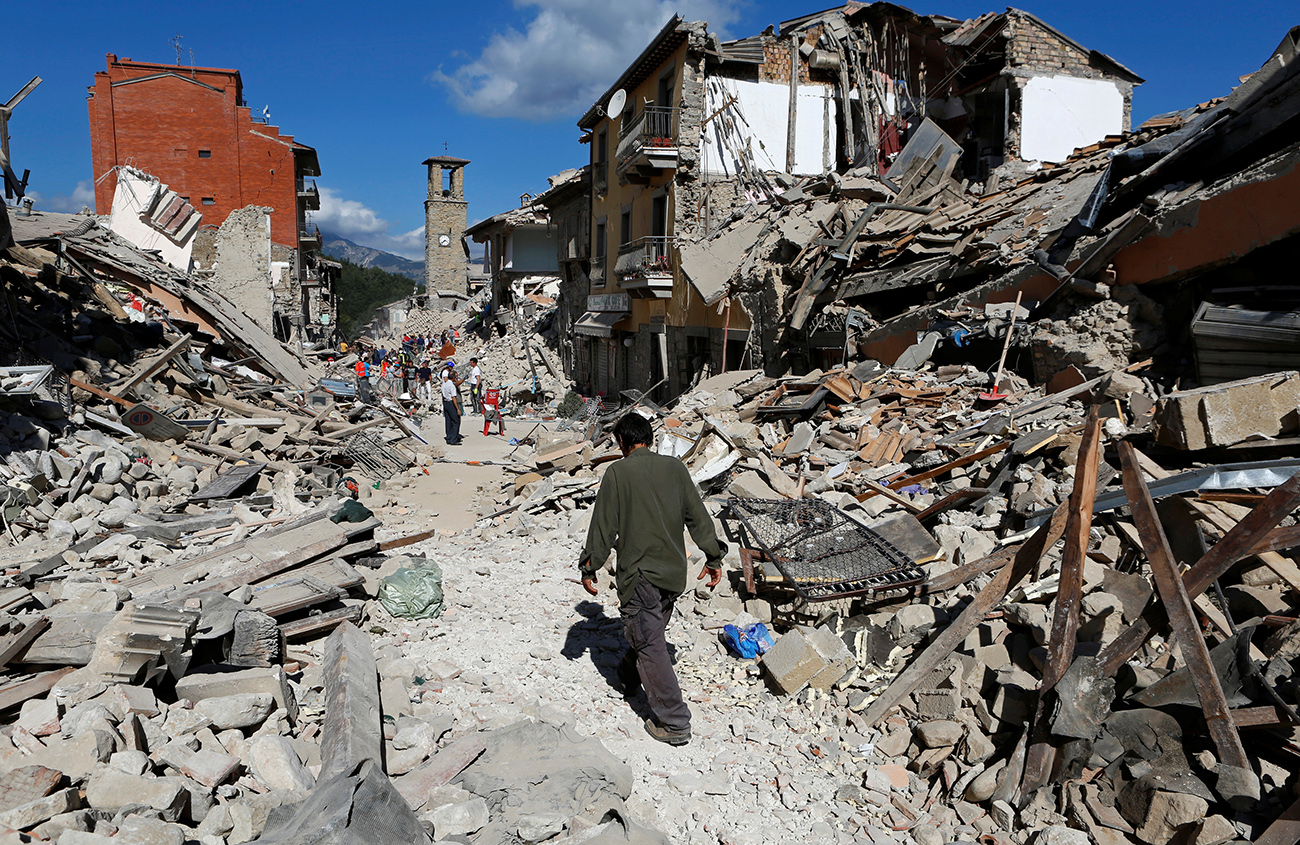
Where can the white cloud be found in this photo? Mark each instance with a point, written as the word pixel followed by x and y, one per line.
pixel 83 196
pixel 357 222
pixel 568 54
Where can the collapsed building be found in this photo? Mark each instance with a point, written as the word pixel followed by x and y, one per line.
pixel 697 131
pixel 191 128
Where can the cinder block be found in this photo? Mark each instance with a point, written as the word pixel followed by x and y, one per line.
pixel 838 658
pixel 793 662
pixel 1229 413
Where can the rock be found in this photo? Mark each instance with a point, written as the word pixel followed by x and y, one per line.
pixel 982 787
pixel 212 682
pixel 939 733
pixel 1215 831
pixel 750 485
pixel 1167 813
pixel 1228 413
pixel 915 622
pixel 541 827
pixel 793 662
pixel 1240 788
pixel 39 717
pixel 276 764
pixel 1003 815
pixel 41 809
pixel 237 711
pixel 1056 834
pixel 459 819
pixel 111 790
pixel 138 830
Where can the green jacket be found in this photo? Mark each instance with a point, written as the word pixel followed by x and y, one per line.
pixel 645 501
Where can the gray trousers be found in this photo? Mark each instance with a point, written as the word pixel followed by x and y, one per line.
pixel 645 618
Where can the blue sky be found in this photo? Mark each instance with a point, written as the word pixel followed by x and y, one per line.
pixel 378 87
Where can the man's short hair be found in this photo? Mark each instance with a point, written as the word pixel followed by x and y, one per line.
pixel 633 430
pixel 473 360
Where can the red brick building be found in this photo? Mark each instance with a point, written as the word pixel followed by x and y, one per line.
pixel 190 127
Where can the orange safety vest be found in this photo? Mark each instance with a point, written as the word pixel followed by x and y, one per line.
pixel 361 369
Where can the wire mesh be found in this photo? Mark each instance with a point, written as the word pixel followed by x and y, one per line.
pixel 384 460
pixel 821 551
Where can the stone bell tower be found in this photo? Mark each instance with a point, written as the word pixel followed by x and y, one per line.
pixel 445 217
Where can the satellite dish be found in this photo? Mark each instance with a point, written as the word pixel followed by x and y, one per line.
pixel 616 102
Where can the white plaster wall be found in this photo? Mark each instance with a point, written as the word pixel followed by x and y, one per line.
pixel 1060 113
pixel 766 107
pixel 133 191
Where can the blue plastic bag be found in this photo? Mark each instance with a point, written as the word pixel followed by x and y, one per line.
pixel 748 642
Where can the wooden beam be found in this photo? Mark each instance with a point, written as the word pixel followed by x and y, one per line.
pixel 353 730
pixel 409 539
pixel 1064 635
pixel 941 470
pixel 101 393
pixel 1174 593
pixel 154 366
pixel 1236 543
pixel 260 571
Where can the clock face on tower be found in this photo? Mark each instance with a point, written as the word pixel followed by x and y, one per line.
pixel 444 240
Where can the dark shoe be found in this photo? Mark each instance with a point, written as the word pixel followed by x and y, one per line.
pixel 662 734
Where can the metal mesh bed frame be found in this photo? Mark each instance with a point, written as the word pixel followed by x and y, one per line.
pixel 821 551
pixel 383 459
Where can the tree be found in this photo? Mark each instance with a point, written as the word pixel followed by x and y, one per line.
pixel 362 290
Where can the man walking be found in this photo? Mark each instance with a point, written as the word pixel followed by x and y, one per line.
pixel 645 502
pixel 450 405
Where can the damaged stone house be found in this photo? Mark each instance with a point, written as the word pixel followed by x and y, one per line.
pixel 697 131
pixel 191 128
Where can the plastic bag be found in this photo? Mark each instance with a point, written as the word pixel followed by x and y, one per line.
pixel 413 593
pixel 750 641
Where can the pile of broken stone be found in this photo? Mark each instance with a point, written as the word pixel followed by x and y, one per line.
pixel 946 678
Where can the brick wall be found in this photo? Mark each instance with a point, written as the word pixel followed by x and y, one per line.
pixel 1032 47
pixel 162 122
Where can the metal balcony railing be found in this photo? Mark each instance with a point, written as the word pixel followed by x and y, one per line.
pixel 644 257
pixel 654 124
pixel 600 178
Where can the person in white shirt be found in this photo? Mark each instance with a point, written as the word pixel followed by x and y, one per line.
pixel 475 386
pixel 450 405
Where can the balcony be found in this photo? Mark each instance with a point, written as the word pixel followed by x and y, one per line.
pixel 309 238
pixel 600 178
pixel 645 267
pixel 647 144
pixel 308 195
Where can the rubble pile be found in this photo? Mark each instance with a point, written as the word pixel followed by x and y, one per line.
pixel 186 560
pixel 1029 688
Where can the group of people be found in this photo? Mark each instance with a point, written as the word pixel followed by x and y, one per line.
pixel 452 408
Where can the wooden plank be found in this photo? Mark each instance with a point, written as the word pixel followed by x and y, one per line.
pixel 947 642
pixel 409 539
pixel 100 392
pixel 228 483
pixel 1064 634
pixel 889 494
pixel 1178 605
pixel 1284 831
pixel 154 366
pixel 352 730
pixel 447 762
pixel 17 691
pixel 263 570
pixel 941 470
pixel 954 499
pixel 1258 717
pixel 16 642
pixel 317 623
pixel 1237 542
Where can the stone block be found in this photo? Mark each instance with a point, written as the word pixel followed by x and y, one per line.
pixel 1229 413
pixel 27 783
pixel 111 790
pixel 243 710
pixel 138 830
pixel 39 716
pixel 459 819
pixel 793 662
pixel 1169 812
pixel 215 681
pixel 75 757
pixel 276 764
pixel 41 809
pixel 838 658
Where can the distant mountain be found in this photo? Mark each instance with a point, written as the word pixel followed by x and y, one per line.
pixel 337 246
